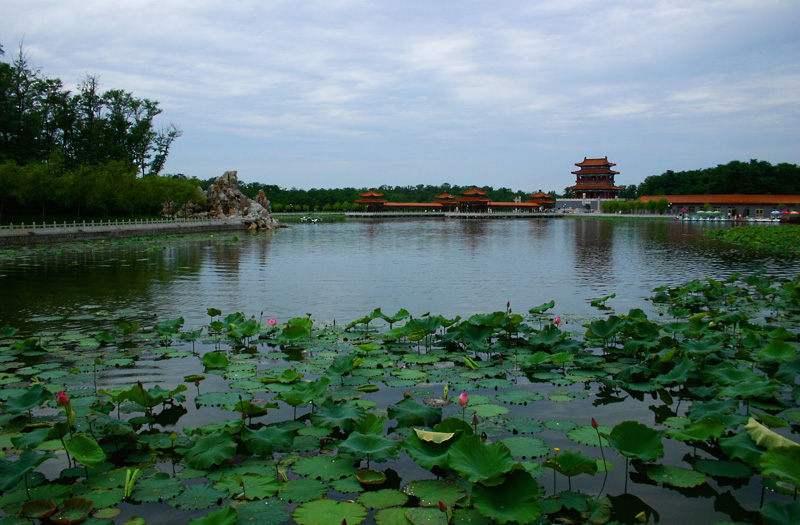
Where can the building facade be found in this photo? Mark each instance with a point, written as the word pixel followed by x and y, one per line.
pixel 595 180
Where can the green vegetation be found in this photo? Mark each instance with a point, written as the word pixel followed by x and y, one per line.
pixel 655 206
pixel 776 240
pixel 754 177
pixel 72 155
pixel 717 377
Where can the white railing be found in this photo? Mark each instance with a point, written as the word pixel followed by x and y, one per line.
pixel 22 227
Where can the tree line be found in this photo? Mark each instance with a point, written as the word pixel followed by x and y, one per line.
pixel 69 154
pixel 749 178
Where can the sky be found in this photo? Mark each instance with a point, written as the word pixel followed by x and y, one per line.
pixel 513 93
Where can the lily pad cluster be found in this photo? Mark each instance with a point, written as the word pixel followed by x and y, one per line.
pixel 402 419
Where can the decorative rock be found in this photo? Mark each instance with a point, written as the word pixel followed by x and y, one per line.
pixel 225 201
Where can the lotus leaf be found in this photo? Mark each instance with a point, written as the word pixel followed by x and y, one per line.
pixel 319 512
pixel 431 492
pixel 702 430
pixel 325 468
pixel 392 516
pixel 382 499
pixel 723 469
pixel 28 399
pixel 301 490
pixel 775 513
pixel 564 426
pixel 264 512
pixel 741 446
pixel 223 516
pixel 266 440
pixel 783 461
pixel 37 508
pixel 210 450
pixel 369 424
pixel 587 435
pixel 513 500
pixel 337 415
pixel 249 486
pixel 158 488
pixel 634 440
pixel 374 446
pixel 675 476
pixel 73 510
pixel 426 516
pixel 765 437
pixel 226 400
pixel 410 413
pixel 475 461
pixel 518 397
pixel 198 496
pixel 570 463
pixel 525 447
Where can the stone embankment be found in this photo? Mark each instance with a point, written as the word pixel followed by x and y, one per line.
pixel 54 233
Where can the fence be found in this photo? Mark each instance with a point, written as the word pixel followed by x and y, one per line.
pixel 22 228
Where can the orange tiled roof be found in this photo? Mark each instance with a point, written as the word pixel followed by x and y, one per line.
pixel 594 187
pixel 590 171
pixel 595 162
pixel 679 200
pixel 473 191
pixel 371 193
pixel 540 195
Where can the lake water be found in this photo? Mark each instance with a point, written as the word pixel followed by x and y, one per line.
pixel 343 270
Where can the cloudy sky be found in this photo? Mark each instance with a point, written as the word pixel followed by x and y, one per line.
pixel 336 93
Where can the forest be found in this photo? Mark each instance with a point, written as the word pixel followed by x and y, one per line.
pixel 756 177
pixel 87 153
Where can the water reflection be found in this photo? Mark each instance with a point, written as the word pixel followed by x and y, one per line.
pixel 343 270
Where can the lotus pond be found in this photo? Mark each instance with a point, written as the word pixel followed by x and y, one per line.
pixel 688 414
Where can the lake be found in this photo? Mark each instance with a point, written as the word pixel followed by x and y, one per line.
pixel 340 271
pixel 343 270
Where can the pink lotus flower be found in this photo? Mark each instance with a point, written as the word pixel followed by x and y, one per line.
pixel 62 399
pixel 557 321
pixel 272 322
pixel 463 399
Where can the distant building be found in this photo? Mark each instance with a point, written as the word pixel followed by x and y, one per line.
pixel 595 180
pixel 755 206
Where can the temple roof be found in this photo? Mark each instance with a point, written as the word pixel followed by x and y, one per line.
pixel 590 171
pixel 595 162
pixel 540 195
pixel 371 193
pixel 444 195
pixel 473 191
pixel 589 186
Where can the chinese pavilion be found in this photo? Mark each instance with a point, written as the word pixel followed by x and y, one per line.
pixel 447 201
pixel 542 200
pixel 473 200
pixel 371 201
pixel 595 179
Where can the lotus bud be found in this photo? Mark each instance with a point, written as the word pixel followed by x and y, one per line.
pixel 474 419
pixel 244 415
pixel 557 321
pixel 500 360
pixel 594 423
pixel 140 385
pixel 62 399
pixel 272 322
pixel 196 382
pixel 442 506
pixel 463 399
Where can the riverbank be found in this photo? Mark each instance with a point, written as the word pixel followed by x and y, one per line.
pixel 53 233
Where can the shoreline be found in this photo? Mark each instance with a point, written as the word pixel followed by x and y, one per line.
pixel 81 232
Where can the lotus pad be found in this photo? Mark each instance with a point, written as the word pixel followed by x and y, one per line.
pixel 325 468
pixel 723 469
pixel 526 447
pixel 264 512
pixel 519 397
pixel 513 500
pixel 382 499
pixel 675 476
pixel 523 425
pixel 158 488
pixel 488 410
pixel 301 490
pixel 198 496
pixel 431 492
pixel 588 435
pixel 320 511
